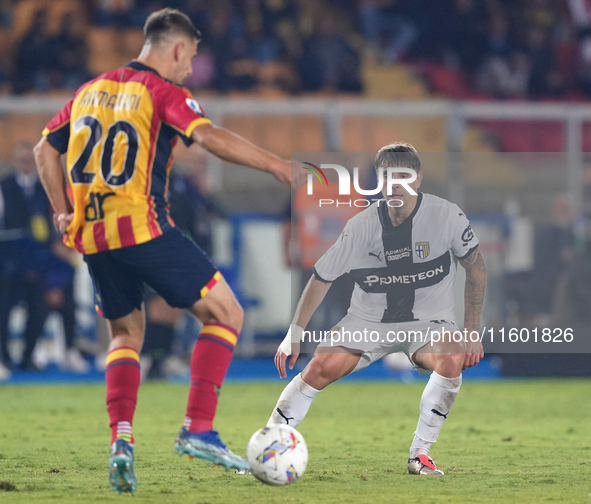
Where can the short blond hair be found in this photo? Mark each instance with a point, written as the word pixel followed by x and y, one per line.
pixel 398 154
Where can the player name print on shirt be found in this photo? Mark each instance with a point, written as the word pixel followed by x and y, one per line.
pixel 114 101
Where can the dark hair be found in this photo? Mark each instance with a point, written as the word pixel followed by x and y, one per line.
pixel 165 22
pixel 398 154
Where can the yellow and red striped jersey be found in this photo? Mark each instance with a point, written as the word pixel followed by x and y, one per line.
pixel 119 131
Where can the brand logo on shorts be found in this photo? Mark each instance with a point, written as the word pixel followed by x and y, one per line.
pixel 422 249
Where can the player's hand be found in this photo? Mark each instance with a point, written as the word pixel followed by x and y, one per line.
pixel 281 359
pixel 474 352
pixel 290 173
pixel 282 171
pixel 62 221
pixel 298 174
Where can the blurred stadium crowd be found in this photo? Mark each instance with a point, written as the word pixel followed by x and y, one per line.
pixel 461 48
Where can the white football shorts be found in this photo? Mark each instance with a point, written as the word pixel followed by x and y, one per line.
pixel 376 339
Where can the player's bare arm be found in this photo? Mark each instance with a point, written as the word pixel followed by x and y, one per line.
pixel 309 302
pixel 233 148
pixel 474 291
pixel 51 174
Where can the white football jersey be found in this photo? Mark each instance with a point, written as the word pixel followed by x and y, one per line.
pixel 404 272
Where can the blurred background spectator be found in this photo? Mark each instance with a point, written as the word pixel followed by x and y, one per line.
pixel 388 28
pixel 33 57
pixel 26 223
pixel 35 266
pixel 69 54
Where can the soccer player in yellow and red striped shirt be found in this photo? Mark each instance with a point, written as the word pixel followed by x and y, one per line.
pixel 119 131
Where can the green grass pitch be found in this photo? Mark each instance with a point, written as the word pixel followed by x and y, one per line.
pixel 504 442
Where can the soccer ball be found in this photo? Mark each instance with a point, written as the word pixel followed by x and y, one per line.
pixel 278 454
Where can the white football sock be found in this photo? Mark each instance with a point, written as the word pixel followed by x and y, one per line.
pixel 436 402
pixel 293 403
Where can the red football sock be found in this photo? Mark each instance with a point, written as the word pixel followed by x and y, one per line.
pixel 209 363
pixel 123 380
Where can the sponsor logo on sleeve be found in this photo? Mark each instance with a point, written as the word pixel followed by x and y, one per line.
pixel 467 235
pixel 194 106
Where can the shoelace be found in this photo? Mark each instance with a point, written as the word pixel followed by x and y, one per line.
pixel 123 447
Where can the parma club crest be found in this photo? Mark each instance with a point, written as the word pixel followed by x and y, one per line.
pixel 422 249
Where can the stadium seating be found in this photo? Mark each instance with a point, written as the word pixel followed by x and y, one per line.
pixel 280 134
pixel 392 82
pixel 25 10
pixel 111 48
pixel 527 136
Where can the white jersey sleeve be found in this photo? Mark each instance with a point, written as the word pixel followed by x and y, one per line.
pixel 462 238
pixel 341 257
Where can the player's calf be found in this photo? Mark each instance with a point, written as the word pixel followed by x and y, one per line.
pixel 222 317
pixel 436 402
pixel 446 360
pixel 293 403
pixel 295 400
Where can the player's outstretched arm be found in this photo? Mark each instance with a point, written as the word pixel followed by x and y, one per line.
pixel 51 174
pixel 473 301
pixel 235 149
pixel 310 300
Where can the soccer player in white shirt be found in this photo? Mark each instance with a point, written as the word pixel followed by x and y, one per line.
pixel 402 252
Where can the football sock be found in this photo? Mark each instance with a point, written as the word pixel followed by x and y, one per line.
pixel 436 402
pixel 293 403
pixel 123 380
pixel 209 363
pixel 124 432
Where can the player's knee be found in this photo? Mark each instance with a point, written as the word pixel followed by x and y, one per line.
pixel 127 331
pixel 232 315
pixel 237 316
pixel 450 363
pixel 126 337
pixel 320 372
